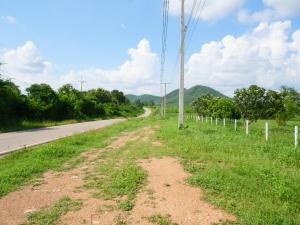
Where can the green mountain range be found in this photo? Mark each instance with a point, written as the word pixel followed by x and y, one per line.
pixel 172 98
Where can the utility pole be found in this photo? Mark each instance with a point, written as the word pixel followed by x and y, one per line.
pixel 181 89
pixel 161 100
pixel 81 81
pixel 164 99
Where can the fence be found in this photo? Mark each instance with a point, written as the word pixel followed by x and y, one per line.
pixel 246 126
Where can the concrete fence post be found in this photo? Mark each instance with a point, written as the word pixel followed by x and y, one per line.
pixel 267 131
pixel 235 124
pixel 296 136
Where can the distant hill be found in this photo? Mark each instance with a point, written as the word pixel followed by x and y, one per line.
pixel 172 98
pixel 144 98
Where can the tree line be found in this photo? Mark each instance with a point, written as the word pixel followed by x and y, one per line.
pixel 41 103
pixel 252 103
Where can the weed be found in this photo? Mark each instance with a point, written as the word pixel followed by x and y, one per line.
pixel 50 215
pixel 161 220
pixel 126 205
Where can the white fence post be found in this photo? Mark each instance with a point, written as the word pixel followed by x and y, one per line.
pixel 216 121
pixel 224 122
pixel 235 124
pixel 267 131
pixel 296 136
pixel 247 127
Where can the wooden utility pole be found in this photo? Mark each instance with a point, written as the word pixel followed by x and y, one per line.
pixel 181 88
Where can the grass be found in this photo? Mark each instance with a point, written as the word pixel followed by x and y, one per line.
pixel 27 125
pixel 259 182
pixel 111 180
pixel 126 205
pixel 51 215
pixel 161 220
pixel 19 168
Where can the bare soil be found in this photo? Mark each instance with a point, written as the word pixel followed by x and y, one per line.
pixel 54 185
pixel 165 193
pixel 168 194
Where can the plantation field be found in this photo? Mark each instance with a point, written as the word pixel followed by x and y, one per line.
pixel 258 182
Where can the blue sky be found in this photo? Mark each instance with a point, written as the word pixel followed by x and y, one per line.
pixel 59 41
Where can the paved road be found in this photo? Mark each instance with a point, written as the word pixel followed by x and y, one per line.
pixel 13 141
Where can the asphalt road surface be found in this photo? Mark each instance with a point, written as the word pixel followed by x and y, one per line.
pixel 13 141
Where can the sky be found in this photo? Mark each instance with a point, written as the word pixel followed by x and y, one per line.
pixel 116 44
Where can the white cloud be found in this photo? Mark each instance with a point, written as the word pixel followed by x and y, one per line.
pixel 9 19
pixel 139 73
pixel 244 16
pixel 212 10
pixel 284 7
pixel 274 9
pixel 135 75
pixel 264 56
pixel 26 66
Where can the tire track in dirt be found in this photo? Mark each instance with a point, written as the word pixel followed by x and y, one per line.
pixel 168 194
pixel 53 185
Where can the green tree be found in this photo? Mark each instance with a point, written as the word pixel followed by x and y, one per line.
pixel 12 103
pixel 223 108
pixel 119 97
pixel 252 102
pixel 290 100
pixel 43 102
pixel 201 105
pixel 68 97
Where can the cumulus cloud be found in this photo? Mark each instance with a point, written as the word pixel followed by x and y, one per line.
pixel 135 75
pixel 275 9
pixel 264 56
pixel 26 66
pixel 9 19
pixel 284 8
pixel 244 16
pixel 212 10
pixel 138 74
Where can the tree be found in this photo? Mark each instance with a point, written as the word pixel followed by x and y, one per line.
pixel 223 108
pixel 290 100
pixel 43 102
pixel 68 96
pixel 252 102
pixel 201 105
pixel 100 95
pixel 119 97
pixel 12 103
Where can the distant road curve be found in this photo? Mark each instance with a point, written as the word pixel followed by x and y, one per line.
pixel 14 141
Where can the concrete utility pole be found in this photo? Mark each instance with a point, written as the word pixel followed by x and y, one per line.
pixel 81 81
pixel 164 99
pixel 181 89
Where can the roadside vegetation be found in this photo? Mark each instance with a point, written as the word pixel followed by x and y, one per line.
pixel 257 181
pixel 251 104
pixel 42 106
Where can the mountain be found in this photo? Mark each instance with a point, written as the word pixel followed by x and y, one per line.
pixel 144 98
pixel 172 98
pixel 191 94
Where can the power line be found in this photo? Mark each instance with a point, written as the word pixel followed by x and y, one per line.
pixel 193 29
pixel 164 37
